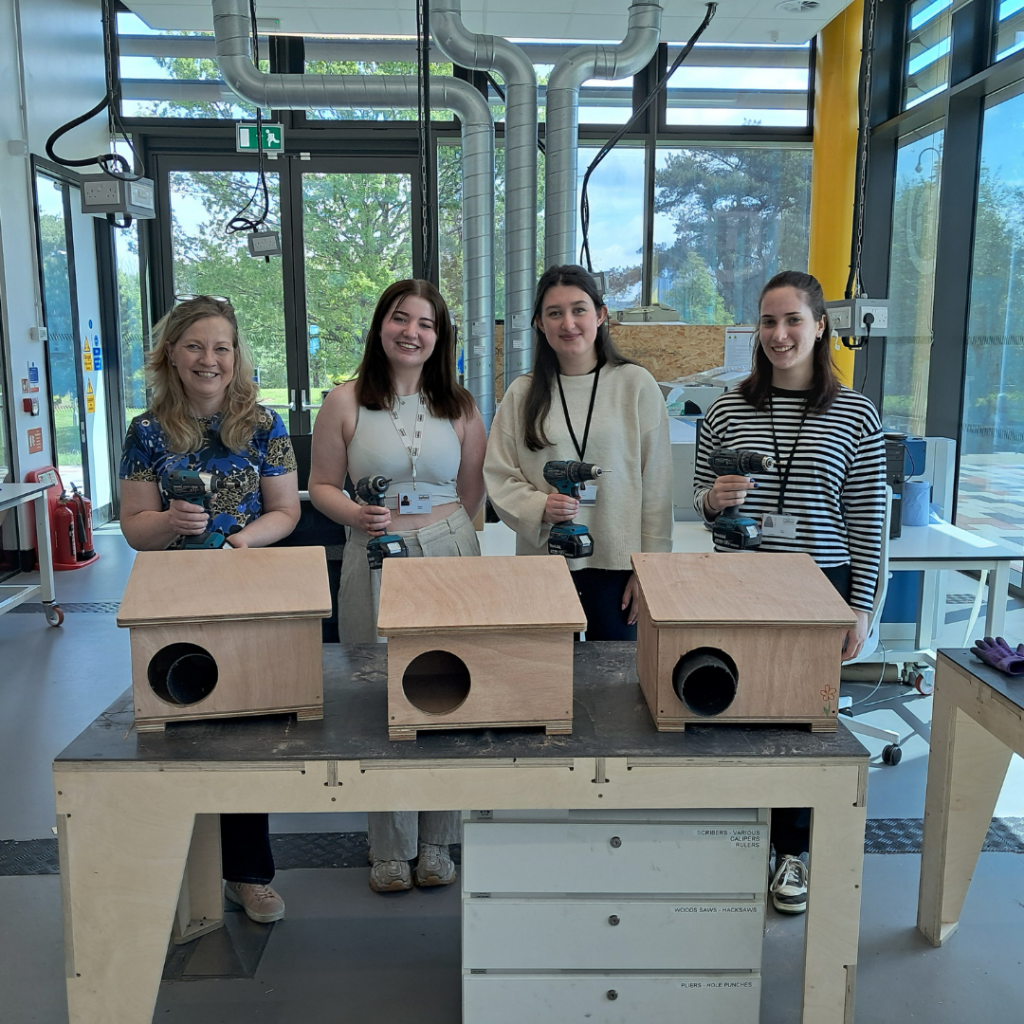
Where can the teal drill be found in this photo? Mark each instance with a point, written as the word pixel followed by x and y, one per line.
pixel 570 539
pixel 196 488
pixel 372 490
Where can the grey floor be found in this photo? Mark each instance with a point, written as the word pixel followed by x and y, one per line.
pixel 344 953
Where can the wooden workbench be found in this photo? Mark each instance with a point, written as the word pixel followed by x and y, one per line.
pixel 127 805
pixel 977 726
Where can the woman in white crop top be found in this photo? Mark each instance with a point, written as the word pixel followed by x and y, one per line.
pixel 404 416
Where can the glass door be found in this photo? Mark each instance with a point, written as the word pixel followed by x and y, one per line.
pixel 357 238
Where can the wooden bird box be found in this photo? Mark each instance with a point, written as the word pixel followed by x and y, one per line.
pixel 478 642
pixel 739 637
pixel 216 634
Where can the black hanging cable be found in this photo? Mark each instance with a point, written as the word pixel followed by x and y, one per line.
pixel 424 135
pixel 240 222
pixel 628 126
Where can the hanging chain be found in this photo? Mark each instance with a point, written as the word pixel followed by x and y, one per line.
pixel 423 131
pixel 862 155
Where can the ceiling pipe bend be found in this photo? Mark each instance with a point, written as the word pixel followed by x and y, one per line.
pixel 492 53
pixel 562 122
pixel 304 92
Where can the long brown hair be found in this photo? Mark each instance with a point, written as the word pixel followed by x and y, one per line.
pixel 824 382
pixel 239 413
pixel 375 389
pixel 545 360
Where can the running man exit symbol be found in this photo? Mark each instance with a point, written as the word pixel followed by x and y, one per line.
pixel 246 139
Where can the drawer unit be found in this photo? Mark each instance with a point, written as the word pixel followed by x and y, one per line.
pixel 611 998
pixel 587 857
pixel 652 934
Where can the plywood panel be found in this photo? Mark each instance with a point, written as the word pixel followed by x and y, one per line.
pixel 242 583
pixel 667 350
pixel 738 587
pixel 515 678
pixel 430 594
pixel 276 664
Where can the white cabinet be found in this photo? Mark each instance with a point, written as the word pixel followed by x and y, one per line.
pixel 612 916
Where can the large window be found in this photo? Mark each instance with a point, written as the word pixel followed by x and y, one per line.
pixel 928 46
pixel 915 224
pixel 1009 28
pixel 991 491
pixel 726 220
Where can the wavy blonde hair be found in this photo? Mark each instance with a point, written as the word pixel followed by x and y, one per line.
pixel 239 414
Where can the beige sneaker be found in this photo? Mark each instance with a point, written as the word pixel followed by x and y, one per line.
pixel 390 876
pixel 260 903
pixel 434 866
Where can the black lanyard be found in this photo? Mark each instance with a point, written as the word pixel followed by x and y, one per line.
pixel 778 454
pixel 590 412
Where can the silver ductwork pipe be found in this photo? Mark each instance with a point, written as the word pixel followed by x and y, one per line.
pixel 492 53
pixel 304 92
pixel 562 125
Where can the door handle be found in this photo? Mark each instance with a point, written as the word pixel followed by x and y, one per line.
pixel 306 406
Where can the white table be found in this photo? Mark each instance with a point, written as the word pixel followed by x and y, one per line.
pixel 940 546
pixel 14 592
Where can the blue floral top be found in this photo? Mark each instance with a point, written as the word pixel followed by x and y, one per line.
pixel 236 500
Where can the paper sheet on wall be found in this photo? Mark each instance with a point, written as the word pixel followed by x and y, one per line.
pixel 739 348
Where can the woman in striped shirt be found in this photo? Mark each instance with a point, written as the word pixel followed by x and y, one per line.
pixel 826 494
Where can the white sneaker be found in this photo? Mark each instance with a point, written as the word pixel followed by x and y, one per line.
pixel 789 885
pixel 260 903
pixel 435 866
pixel 390 876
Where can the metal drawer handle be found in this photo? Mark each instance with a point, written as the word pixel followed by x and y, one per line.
pixel 616 842
pixel 612 994
pixel 613 920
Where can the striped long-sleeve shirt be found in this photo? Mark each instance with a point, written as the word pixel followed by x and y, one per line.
pixel 836 485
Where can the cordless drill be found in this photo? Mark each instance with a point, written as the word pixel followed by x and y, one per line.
pixel 570 539
pixel 371 490
pixel 732 529
pixel 196 488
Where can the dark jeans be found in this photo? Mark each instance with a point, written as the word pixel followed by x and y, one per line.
pixel 245 848
pixel 600 593
pixel 791 826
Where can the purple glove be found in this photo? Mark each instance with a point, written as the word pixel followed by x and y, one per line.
pixel 999 655
pixel 1018 650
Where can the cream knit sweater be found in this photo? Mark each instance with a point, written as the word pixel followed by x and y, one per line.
pixel 628 439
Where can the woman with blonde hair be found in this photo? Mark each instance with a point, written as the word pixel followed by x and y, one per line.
pixel 204 417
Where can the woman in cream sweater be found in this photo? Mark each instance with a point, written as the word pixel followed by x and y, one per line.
pixel 584 401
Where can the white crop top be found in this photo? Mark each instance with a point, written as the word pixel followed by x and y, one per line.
pixel 377 448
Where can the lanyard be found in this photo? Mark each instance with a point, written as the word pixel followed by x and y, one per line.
pixel 412 447
pixel 590 412
pixel 792 451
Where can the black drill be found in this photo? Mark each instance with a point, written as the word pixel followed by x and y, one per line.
pixel 570 539
pixel 372 490
pixel 190 485
pixel 732 529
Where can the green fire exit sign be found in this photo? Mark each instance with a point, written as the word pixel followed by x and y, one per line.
pixel 246 139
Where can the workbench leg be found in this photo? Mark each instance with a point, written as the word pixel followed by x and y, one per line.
pixel 46 588
pixel 201 901
pixel 966 768
pixel 926 611
pixel 833 913
pixel 121 866
pixel 998 588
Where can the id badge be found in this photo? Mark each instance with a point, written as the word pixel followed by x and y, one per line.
pixel 776 525
pixel 413 503
pixel 588 493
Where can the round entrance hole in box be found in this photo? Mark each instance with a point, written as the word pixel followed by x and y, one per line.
pixel 436 682
pixel 182 674
pixel 705 680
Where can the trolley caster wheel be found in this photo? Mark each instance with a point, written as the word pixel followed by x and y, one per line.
pixel 55 615
pixel 892 754
pixel 924 683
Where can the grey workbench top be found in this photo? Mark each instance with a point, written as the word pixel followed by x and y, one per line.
pixel 1011 687
pixel 610 719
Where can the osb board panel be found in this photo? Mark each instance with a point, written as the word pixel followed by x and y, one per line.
pixel 233 583
pixel 275 663
pixel 504 591
pixel 667 350
pixel 783 672
pixel 520 677
pixel 743 587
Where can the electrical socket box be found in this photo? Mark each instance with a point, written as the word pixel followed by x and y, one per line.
pixel 265 243
pixel 102 194
pixel 848 317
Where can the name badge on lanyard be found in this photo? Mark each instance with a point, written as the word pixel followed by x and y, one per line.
pixel 413 502
pixel 775 525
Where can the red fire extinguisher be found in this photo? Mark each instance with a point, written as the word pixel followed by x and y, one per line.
pixel 62 526
pixel 83 525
